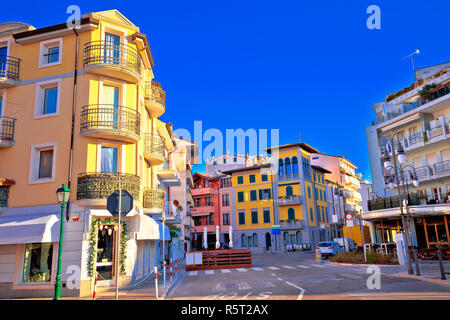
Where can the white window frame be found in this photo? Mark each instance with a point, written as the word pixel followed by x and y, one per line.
pixel 40 97
pixel 43 49
pixel 120 154
pixel 34 162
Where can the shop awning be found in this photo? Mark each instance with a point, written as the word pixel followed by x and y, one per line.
pixel 166 232
pixel 29 228
pixel 147 228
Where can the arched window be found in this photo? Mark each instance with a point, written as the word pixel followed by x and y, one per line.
pixel 255 240
pixel 294 165
pixel 281 167
pixel 287 161
pixel 286 238
pixel 289 191
pixel 299 237
pixel 291 214
pixel 244 240
pixel 249 238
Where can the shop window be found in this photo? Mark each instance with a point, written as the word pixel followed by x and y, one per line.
pixel 243 240
pixel 37 265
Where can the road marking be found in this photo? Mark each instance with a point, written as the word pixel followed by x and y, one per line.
pixel 288 267
pixel 273 268
pixel 318 266
pixel 241 269
pixel 304 267
pixel 193 273
pixel 268 284
pixel 280 279
pixel 243 285
pixel 225 270
pixel 351 276
pixel 220 287
pixel 302 291
pixel 209 271
pixel 257 269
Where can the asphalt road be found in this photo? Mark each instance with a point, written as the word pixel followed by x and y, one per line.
pixel 298 276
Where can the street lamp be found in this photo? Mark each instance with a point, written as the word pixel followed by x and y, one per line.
pixel 63 195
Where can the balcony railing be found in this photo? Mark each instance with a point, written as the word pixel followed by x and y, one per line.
pixel 154 198
pixel 7 126
pixel 101 119
pixel 291 224
pixel 392 202
pixel 436 132
pixel 100 185
pixel 155 98
pixel 112 55
pixel 154 145
pixel 9 67
pixel 289 200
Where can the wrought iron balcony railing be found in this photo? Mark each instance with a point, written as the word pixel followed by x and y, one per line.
pixel 392 202
pixel 154 144
pixel 100 185
pixel 154 198
pixel 7 126
pixel 113 54
pixel 154 92
pixel 110 117
pixel 9 67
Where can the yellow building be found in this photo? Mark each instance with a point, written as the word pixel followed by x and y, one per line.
pixel 254 206
pixel 79 107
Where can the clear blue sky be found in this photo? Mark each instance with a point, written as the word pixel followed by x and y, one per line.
pixel 305 67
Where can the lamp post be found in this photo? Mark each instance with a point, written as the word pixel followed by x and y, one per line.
pixel 396 178
pixel 362 234
pixel 63 195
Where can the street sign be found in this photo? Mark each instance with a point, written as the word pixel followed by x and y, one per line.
pixel 349 223
pixel 276 230
pixel 348 216
pixel 334 218
pixel 112 203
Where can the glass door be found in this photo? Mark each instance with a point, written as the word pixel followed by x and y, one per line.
pixel 109 111
pixel 105 254
pixel 112 48
pixel 3 60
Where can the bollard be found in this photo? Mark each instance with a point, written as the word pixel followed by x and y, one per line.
pixel 416 260
pixel 95 286
pixel 164 273
pixel 156 282
pixel 441 266
pixel 170 269
pixel 176 267
pixel 318 256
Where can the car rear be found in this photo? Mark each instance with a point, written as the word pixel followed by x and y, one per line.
pixel 327 248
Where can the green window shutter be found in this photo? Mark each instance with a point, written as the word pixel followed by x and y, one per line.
pixel 270 194
pixel 240 196
pixel 266 216
pixel 264 177
pixel 241 217
pixel 252 178
pixel 291 214
pixel 254 217
pixel 260 194
pixel 253 195
pixel 240 180
pixel 311 214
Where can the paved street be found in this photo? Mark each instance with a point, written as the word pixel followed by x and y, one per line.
pixel 295 276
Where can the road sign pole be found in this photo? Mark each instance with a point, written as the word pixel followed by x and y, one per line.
pixel 164 251
pixel 118 247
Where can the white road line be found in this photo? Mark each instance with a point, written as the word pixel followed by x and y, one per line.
pixel 193 273
pixel 288 267
pixel 280 279
pixel 304 267
pixel 302 291
pixel 225 270
pixel 268 284
pixel 209 271
pixel 273 268
pixel 257 269
pixel 318 265
pixel 243 286
pixel 220 287
pixel 241 269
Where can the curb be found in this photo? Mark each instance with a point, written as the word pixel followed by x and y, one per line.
pixel 445 282
pixel 363 264
pixel 173 284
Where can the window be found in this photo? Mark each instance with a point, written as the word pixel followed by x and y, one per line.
pixel 255 240
pixel 249 240
pixel 287 161
pixel 254 216
pixel 4 194
pixel 286 238
pixel 224 160
pixel 311 215
pixel 108 160
pixel 38 261
pixel 209 220
pixel 252 178
pixel 208 201
pixel 318 214
pixel 225 183
pixel 47 98
pixel 309 192
pixel 253 195
pixel 266 215
pixel 240 180
pixel 299 237
pixel 241 217
pixel 289 191
pixel 50 52
pixel 225 199
pixel 264 194
pixel 291 214
pixel 196 202
pixel 264 177
pixel 281 167
pixel 244 240
pixel 50 100
pixel 197 221
pixel 294 165
pixel 323 214
pixel 226 219
pixel 43 162
pixel 240 196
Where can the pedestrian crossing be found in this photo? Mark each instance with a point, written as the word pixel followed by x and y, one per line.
pixel 273 268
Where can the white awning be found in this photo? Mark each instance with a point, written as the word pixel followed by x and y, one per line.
pixel 29 228
pixel 147 228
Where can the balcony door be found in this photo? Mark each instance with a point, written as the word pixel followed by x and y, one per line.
pixel 108 163
pixel 112 48
pixel 110 109
pixel 3 59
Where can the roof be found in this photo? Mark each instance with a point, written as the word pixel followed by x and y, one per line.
pixel 341 157
pixel 302 145
pixel 319 168
pixel 143 37
pixel 266 165
pixel 207 176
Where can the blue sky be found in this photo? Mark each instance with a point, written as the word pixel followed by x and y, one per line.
pixel 304 67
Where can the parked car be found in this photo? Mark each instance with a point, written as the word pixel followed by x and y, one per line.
pixel 349 243
pixel 329 248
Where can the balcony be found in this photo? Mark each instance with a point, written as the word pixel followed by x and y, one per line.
pixel 202 191
pixel 289 200
pixel 189 177
pixel 168 175
pixel 9 71
pixel 94 188
pixel 118 61
pixel 154 200
pixel 291 224
pixel 351 181
pixel 7 126
pixel 437 134
pixel 202 210
pixel 434 171
pixel 392 202
pixel 110 122
pixel 154 149
pixel 155 98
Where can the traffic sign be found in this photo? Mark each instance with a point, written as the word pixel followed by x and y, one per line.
pixel 112 203
pixel 276 230
pixel 348 216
